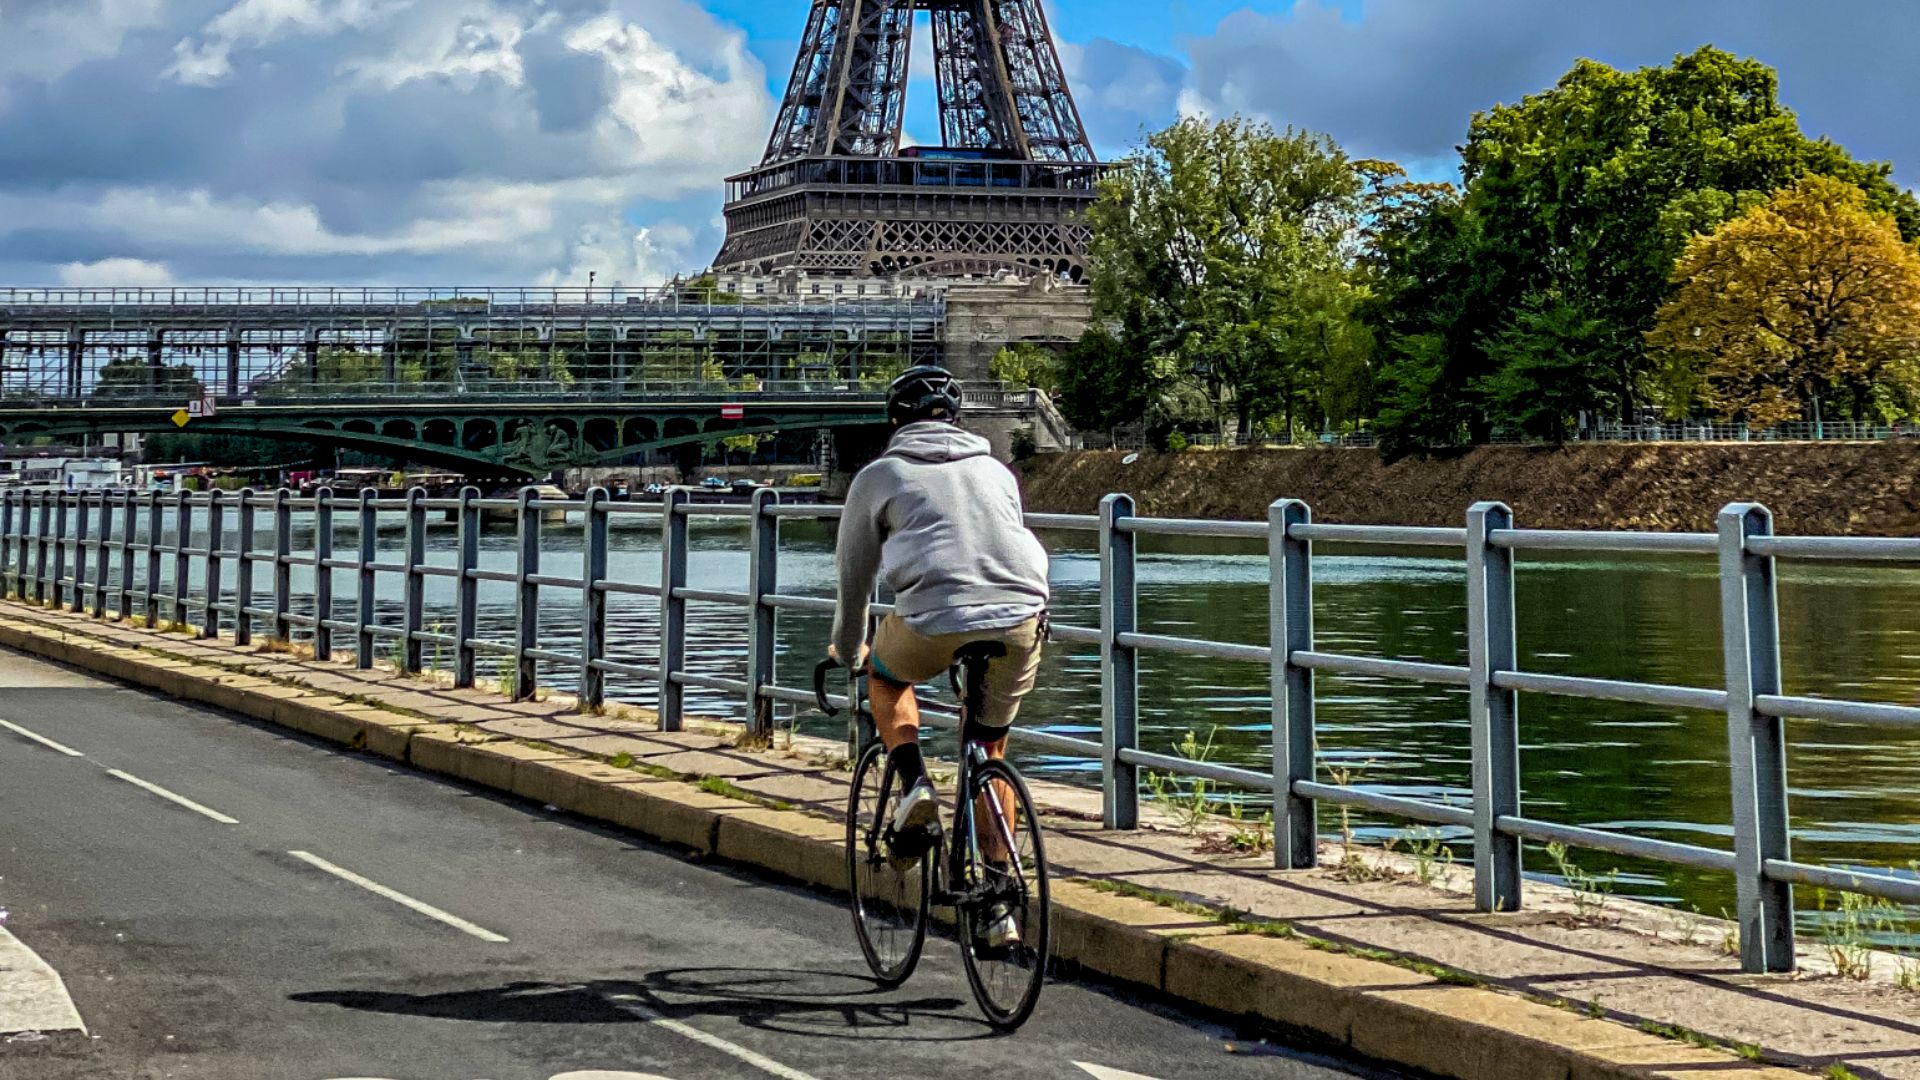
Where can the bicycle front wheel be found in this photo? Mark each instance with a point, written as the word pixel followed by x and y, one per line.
pixel 889 902
pixel 1005 914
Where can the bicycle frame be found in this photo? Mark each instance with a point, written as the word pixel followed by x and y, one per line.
pixel 969 678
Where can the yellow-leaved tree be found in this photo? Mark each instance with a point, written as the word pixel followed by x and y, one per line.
pixel 1808 304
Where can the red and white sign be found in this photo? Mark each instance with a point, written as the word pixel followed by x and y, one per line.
pixel 733 412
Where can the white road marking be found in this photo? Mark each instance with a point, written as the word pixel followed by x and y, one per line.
pixel 1101 1072
pixel 32 995
pixel 625 1003
pixel 41 739
pixel 400 898
pixel 171 797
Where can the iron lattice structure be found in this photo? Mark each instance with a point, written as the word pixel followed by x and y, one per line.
pixel 836 194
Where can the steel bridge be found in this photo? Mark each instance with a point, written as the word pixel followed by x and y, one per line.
pixel 518 381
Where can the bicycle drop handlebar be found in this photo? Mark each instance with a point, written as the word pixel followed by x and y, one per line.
pixel 820 686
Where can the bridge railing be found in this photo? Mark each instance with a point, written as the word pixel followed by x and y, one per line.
pixel 83 552
pixel 449 300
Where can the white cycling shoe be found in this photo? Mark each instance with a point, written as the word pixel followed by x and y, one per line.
pixel 915 821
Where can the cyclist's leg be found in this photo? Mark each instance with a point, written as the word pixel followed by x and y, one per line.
pixel 1009 680
pixel 901 658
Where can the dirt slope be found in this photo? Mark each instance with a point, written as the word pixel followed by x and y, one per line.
pixel 1813 489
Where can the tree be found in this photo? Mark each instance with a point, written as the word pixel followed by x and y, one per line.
pixel 129 378
pixel 1582 197
pixel 1811 298
pixel 1215 250
pixel 1024 364
pixel 1102 385
pixel 1548 371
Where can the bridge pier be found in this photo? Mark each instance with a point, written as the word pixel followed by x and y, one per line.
pixel 76 361
pixel 233 361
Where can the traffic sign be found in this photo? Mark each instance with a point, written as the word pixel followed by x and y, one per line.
pixel 733 412
pixel 180 418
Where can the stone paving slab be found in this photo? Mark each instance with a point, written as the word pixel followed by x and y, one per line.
pixel 1365 911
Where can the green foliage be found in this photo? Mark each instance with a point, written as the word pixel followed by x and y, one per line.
pixel 1024 364
pixel 1222 259
pixel 130 379
pixel 1102 383
pixel 1577 201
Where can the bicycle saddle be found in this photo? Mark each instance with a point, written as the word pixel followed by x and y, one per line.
pixel 980 650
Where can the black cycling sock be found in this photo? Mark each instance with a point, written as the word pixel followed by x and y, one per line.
pixel 908 765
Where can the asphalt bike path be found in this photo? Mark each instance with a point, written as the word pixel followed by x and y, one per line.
pixel 226 901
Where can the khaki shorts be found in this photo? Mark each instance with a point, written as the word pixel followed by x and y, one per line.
pixel 903 656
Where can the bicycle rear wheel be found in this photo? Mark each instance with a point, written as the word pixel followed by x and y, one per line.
pixel 889 904
pixel 1006 976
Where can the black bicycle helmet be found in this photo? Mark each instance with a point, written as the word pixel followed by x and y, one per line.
pixel 920 393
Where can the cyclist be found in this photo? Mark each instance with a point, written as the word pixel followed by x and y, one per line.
pixel 941 521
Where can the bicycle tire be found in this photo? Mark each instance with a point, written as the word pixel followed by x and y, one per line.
pixel 889 906
pixel 1020 972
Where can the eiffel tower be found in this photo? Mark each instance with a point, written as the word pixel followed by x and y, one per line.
pixel 837 195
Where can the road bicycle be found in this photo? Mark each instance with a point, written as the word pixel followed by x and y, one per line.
pixel 989 862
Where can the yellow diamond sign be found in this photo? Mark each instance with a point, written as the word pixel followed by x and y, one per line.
pixel 180 418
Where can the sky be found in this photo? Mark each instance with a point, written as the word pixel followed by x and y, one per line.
pixel 531 142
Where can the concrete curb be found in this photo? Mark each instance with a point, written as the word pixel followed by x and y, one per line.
pixel 1378 1010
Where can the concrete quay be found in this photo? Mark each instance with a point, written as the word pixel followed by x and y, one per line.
pixel 1380 955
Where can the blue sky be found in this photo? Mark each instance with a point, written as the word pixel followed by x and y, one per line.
pixel 537 141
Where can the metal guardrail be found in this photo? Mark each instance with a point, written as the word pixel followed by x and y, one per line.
pixel 79 551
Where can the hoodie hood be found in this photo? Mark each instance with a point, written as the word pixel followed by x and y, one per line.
pixel 935 442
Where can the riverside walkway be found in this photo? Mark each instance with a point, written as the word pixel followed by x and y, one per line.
pixel 1390 956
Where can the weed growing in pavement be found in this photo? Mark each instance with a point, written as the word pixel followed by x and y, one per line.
pixel 1840 1072
pixel 1596 1010
pixel 503 682
pixel 1687 925
pixel 1189 799
pixel 1730 937
pixel 1847 933
pixel 721 786
pixel 621 760
pixel 1431 853
pixel 1680 1034
pixel 753 741
pixel 1354 867
pixel 1591 894
pixel 1243 838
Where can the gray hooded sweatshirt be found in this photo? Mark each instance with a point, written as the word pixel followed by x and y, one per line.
pixel 941 521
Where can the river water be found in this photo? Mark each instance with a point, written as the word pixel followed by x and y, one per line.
pixel 1855 792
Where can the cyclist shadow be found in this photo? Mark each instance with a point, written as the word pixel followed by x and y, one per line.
pixel 814 1004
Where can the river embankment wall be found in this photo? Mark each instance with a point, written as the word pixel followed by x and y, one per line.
pixel 1818 489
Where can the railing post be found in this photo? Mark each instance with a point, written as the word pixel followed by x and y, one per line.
pixel 526 603
pixel 363 618
pixel 77 602
pixel 103 556
pixel 593 602
pixel 466 592
pixel 1491 648
pixel 243 565
pixel 1762 831
pixel 43 546
pixel 216 541
pixel 7 518
pixel 156 535
pixel 414 604
pixel 322 574
pixel 763 580
pixel 33 508
pixel 673 607
pixel 129 539
pixel 1119 666
pixel 182 562
pixel 57 585
pixel 1296 832
pixel 282 568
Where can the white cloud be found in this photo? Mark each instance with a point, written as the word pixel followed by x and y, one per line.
pixel 208 59
pixel 117 273
pixel 44 39
pixel 389 141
